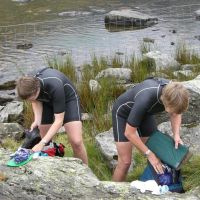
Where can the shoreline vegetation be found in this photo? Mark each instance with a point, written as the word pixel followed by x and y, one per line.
pixel 99 104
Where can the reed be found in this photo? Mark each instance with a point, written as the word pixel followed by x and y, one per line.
pixel 191 173
pixel 141 68
pixel 99 105
pixel 185 55
pixel 66 66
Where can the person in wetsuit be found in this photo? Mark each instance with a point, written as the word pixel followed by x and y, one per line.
pixel 55 103
pixel 133 119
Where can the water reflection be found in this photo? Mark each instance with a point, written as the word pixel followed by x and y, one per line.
pixel 117 28
pixel 27 45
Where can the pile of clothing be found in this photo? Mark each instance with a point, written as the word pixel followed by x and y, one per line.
pixel 24 154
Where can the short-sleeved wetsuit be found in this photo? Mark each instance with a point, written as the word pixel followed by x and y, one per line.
pixel 57 95
pixel 136 107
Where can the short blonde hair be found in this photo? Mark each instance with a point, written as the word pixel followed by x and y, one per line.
pixel 27 86
pixel 176 97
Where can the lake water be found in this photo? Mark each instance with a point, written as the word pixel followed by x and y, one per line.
pixel 82 33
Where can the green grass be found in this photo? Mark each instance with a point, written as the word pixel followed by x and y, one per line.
pixel 97 102
pixel 97 162
pixel 116 61
pixel 97 65
pixel 90 71
pixel 28 114
pixel 191 173
pixel 95 158
pixel 145 47
pixel 186 56
pixel 66 66
pixel 99 105
pixel 141 68
pixel 140 164
pixel 11 144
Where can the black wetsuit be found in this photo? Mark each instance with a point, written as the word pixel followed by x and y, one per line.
pixel 58 95
pixel 136 107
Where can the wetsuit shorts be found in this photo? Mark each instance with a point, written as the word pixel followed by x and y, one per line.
pixel 146 128
pixel 72 113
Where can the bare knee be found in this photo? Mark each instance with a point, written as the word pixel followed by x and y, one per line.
pixel 44 129
pixel 77 145
pixel 124 164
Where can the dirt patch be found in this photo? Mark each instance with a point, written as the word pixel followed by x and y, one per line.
pixel 3 177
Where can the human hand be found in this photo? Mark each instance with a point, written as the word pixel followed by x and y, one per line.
pixel 177 141
pixel 156 163
pixel 34 125
pixel 38 147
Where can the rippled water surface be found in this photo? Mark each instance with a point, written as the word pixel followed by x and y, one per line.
pixel 55 27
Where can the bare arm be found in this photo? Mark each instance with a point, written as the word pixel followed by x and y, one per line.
pixel 37 110
pixel 51 132
pixel 175 120
pixel 57 124
pixel 130 133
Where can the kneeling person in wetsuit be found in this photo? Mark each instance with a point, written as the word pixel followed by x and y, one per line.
pixel 55 103
pixel 133 119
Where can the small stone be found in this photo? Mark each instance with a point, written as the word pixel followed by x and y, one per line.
pixel 173 31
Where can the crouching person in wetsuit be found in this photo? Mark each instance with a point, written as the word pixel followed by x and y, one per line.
pixel 133 119
pixel 55 104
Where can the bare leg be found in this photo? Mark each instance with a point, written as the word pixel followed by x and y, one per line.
pixel 44 129
pixel 74 131
pixel 124 150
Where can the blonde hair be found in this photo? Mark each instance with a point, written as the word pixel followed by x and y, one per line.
pixel 176 97
pixel 27 86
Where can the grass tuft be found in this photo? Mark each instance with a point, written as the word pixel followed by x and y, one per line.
pixel 186 56
pixel 191 173
pixel 28 114
pixel 11 144
pixel 99 105
pixel 141 69
pixel 145 47
pixel 116 61
pixel 66 66
pixel 140 164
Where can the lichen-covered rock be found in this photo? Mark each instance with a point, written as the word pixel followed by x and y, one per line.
pixel 118 73
pixel 185 73
pixel 127 17
pixel 192 114
pixel 7 96
pixel 11 112
pixel 13 130
pixel 94 85
pixel 197 14
pixel 189 134
pixel 67 179
pixel 106 144
pixel 162 61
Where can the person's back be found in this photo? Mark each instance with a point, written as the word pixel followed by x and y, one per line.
pixel 52 79
pixel 142 98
